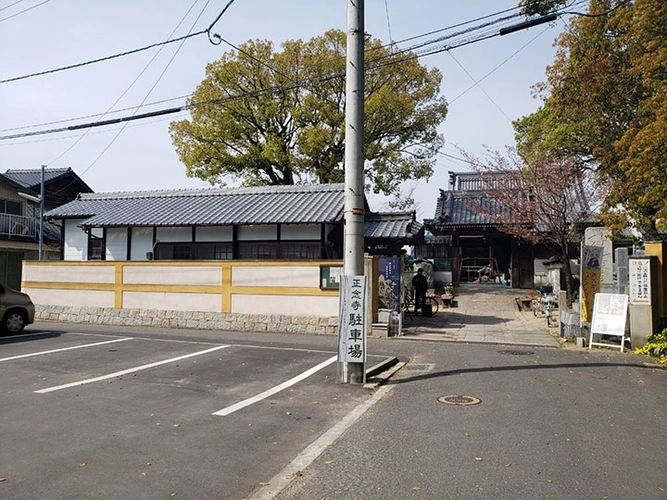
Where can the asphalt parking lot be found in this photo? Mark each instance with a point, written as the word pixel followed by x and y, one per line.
pixel 103 413
pixel 123 413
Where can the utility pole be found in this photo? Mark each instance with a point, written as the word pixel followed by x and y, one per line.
pixel 353 260
pixel 41 214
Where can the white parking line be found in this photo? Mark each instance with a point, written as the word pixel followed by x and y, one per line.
pixel 278 388
pixel 129 370
pixel 280 481
pixel 64 349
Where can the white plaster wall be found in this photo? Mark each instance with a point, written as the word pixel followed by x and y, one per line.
pixel 76 241
pixel 173 234
pixel 70 274
pixel 300 232
pixel 172 301
pixel 142 242
pixel 82 298
pixel 214 233
pixel 270 276
pixel 258 233
pixel 116 243
pixel 172 275
pixel 283 304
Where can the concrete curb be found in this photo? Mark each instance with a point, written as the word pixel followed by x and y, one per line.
pixel 380 373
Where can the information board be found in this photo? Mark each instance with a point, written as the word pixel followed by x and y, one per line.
pixel 330 277
pixel 640 281
pixel 352 320
pixel 609 317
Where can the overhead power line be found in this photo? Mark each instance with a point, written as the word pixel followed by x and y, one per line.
pixel 213 38
pixel 498 66
pixel 23 11
pixel 125 124
pixel 10 5
pixel 382 61
pixel 93 115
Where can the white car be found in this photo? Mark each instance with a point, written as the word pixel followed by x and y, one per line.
pixel 16 310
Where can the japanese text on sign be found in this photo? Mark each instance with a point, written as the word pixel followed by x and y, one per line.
pixel 352 320
pixel 609 314
pixel 640 281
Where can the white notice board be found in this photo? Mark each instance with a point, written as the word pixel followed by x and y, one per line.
pixel 609 317
pixel 640 281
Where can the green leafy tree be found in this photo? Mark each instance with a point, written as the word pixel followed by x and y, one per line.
pixel 278 117
pixel 605 105
pixel 539 7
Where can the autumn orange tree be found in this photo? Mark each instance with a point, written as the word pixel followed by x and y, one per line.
pixel 547 200
pixel 605 107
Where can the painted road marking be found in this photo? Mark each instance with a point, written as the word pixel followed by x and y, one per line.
pixel 280 481
pixel 274 390
pixel 41 353
pixel 129 370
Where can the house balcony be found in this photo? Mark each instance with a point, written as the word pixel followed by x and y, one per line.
pixel 19 227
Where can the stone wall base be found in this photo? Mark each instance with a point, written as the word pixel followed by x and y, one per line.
pixel 189 319
pixel 569 325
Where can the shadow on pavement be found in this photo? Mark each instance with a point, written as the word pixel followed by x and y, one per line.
pixel 486 369
pixel 28 337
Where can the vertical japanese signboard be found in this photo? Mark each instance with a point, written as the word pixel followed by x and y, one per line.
pixel 590 280
pixel 640 281
pixel 352 320
pixel 389 281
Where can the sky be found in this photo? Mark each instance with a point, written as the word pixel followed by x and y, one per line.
pixel 39 35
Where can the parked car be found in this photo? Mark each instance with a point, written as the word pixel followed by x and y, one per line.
pixel 16 310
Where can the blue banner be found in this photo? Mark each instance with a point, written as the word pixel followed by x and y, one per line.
pixel 389 283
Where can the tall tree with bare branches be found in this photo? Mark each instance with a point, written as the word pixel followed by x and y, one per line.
pixel 546 200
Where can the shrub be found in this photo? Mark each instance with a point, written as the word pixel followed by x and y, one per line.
pixel 656 346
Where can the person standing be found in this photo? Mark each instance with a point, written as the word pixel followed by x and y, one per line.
pixel 419 285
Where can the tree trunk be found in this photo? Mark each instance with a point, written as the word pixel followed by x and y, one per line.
pixel 569 281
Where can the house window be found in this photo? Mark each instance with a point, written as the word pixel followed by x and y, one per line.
pixel 96 248
pixel 249 250
pixel 10 207
pixel 223 251
pixel 164 252
pixel 184 251
pixel 258 250
pixel 193 251
pixel 300 250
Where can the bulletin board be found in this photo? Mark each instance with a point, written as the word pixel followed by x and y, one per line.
pixel 610 312
pixel 330 277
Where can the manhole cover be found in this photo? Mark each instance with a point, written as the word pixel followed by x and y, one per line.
pixel 457 399
pixel 516 352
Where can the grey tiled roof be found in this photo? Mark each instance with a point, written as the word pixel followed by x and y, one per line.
pixel 201 207
pixel 457 208
pixel 391 225
pixel 32 178
pixel 16 185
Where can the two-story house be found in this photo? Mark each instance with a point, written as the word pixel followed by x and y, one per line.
pixel 20 192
